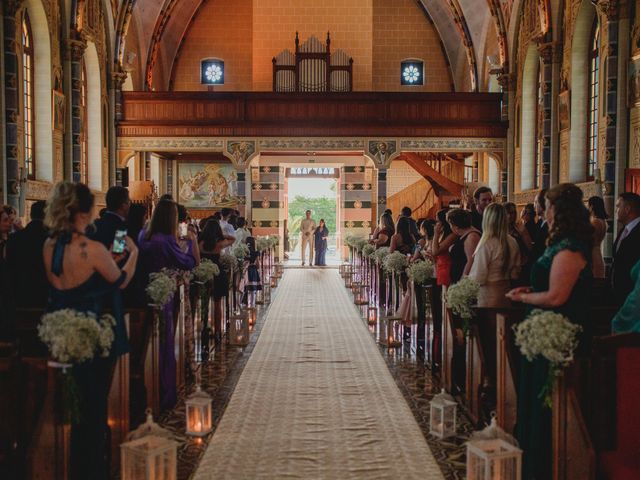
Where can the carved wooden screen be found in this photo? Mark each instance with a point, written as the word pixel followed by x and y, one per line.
pixel 313 68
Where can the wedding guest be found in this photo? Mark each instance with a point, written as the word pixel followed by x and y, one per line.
pixel 160 248
pixel 114 217
pixel 25 267
pixel 83 276
pixel 407 212
pixel 627 246
pixel 598 217
pixel 628 317
pixel 16 223
pixel 242 232
pixel 528 219
pixel 136 220
pixel 462 249
pixel 542 228
pixel 386 229
pixel 496 260
pixel 561 282
pixel 253 283
pixel 166 196
pixel 307 227
pixel 227 228
pixel 5 229
pixel 320 236
pixel 525 244
pixel 425 227
pixel 403 240
pixel 212 243
pixel 443 239
pixel 233 221
pixel 483 196
pixel 6 329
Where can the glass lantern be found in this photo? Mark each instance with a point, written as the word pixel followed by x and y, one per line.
pixel 274 281
pixel 493 453
pixel 266 292
pixel 372 315
pixel 390 333
pixel 239 329
pixel 361 295
pixel 279 270
pixel 348 278
pixel 198 413
pixel 341 269
pixel 443 415
pixel 149 454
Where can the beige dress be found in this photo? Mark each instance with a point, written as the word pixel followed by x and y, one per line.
pixel 488 271
pixel 597 262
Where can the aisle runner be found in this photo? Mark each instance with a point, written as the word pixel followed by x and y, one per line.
pixel 315 399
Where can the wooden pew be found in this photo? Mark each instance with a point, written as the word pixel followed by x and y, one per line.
pixel 118 404
pixel 180 339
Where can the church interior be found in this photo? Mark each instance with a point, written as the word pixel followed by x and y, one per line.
pixel 470 304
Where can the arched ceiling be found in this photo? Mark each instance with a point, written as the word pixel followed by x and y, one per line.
pixel 159 27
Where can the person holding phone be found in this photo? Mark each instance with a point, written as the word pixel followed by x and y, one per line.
pixel 113 220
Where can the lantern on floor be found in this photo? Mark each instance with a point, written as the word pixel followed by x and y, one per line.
pixel 355 285
pixel 347 270
pixel 341 269
pixel 266 292
pixel 361 295
pixel 149 453
pixel 198 413
pixel 239 330
pixel 372 315
pixel 274 281
pixel 390 333
pixel 443 413
pixel 493 454
pixel 279 270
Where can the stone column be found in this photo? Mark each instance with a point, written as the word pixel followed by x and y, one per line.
pixel 546 57
pixel 118 76
pixel 382 191
pixel 76 48
pixel 507 83
pixel 11 101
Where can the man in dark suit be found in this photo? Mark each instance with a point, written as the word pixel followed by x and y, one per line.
pixel 413 227
pixel 542 228
pixel 626 249
pixel 114 218
pixel 483 197
pixel 25 265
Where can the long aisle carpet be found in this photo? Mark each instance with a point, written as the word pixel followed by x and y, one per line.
pixel 316 399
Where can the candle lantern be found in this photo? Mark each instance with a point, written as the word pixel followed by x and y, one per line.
pixel 239 329
pixel 355 285
pixel 443 413
pixel 492 453
pixel 198 413
pixel 341 269
pixel 390 333
pixel 348 277
pixel 372 315
pixel 279 270
pixel 266 292
pixel 348 269
pixel 274 281
pixel 361 295
pixel 149 453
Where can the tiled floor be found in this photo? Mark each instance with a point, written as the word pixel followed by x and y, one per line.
pixel 220 374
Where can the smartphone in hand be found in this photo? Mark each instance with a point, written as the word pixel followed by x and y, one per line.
pixel 119 244
pixel 183 230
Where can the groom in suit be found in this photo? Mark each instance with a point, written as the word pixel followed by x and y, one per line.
pixel 627 246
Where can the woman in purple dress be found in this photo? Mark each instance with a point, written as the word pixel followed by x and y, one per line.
pixel 161 248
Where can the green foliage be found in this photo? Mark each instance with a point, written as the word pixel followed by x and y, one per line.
pixel 320 208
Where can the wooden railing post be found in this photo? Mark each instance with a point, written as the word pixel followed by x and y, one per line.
pixel 118 405
pixel 152 365
pixel 507 399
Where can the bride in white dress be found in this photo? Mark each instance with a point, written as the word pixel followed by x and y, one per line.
pixel 599 222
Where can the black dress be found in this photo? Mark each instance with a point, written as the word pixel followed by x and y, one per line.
pixel 458 258
pixel 221 281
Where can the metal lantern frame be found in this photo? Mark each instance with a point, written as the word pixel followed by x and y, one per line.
pixel 238 334
pixel 266 292
pixel 361 295
pixel 443 416
pixel 493 458
pixel 390 333
pixel 372 315
pixel 198 415
pixel 348 279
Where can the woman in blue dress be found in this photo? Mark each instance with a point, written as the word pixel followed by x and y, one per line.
pixel 561 282
pixel 320 239
pixel 84 276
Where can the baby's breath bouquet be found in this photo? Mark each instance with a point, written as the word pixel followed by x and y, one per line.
pixel 368 250
pixel 72 338
pixel 240 251
pixel 395 262
pixel 180 276
pixel 206 270
pixel 421 272
pixel 359 243
pixel 161 288
pixel 380 254
pixel 348 239
pixel 461 297
pixel 228 262
pixel 273 240
pixel 263 243
pixel 552 336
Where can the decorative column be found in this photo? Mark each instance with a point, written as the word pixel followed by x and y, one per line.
pixel 76 48
pixel 546 57
pixel 11 99
pixel 118 77
pixel 507 83
pixel 382 191
pixel 609 10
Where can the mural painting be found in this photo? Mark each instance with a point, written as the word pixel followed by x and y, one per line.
pixel 207 185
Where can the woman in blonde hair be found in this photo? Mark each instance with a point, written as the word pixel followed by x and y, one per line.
pixel 496 260
pixel 84 276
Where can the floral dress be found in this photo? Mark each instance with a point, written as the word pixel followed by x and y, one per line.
pixel 533 429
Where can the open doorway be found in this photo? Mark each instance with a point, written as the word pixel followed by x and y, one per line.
pixel 317 189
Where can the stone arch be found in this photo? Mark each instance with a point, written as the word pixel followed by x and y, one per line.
pixel 580 91
pixel 528 121
pixel 94 116
pixel 42 90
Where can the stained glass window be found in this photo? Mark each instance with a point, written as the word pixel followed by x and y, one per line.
pixel 84 144
pixel 594 86
pixel 537 160
pixel 27 98
pixel 412 73
pixel 212 72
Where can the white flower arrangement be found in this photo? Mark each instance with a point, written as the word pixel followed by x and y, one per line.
pixel 228 262
pixel 461 296
pixel 395 262
pixel 75 337
pixel 240 251
pixel 206 270
pixel 359 243
pixel 273 240
pixel 421 272
pixel 380 254
pixel 161 288
pixel 550 335
pixel 368 250
pixel 263 243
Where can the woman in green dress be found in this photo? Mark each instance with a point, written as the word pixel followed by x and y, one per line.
pixel 561 282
